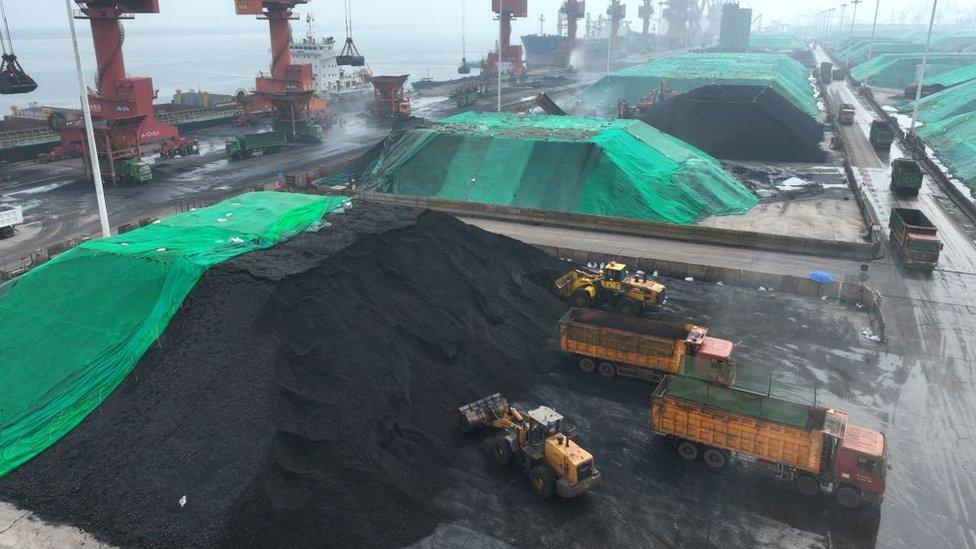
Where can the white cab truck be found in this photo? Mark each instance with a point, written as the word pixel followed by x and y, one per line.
pixel 10 216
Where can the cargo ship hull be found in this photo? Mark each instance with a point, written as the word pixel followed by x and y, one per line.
pixel 546 50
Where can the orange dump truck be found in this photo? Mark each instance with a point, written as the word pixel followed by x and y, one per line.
pixel 618 344
pixel 812 447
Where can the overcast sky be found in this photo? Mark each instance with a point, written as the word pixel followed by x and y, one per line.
pixel 445 14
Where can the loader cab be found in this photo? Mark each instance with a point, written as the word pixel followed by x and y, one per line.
pixel 613 274
pixel 861 462
pixel 544 422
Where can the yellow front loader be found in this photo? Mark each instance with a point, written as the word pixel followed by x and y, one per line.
pixel 612 285
pixel 534 440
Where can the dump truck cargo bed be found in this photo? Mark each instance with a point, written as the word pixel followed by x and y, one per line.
pixel 762 427
pixel 640 347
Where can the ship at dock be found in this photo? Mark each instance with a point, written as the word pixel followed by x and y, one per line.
pixel 334 83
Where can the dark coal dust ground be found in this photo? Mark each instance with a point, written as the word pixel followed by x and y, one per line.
pixel 305 396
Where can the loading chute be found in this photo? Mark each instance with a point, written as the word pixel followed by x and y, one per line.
pixel 13 79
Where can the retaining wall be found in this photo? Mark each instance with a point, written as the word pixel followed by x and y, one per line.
pixel 684 233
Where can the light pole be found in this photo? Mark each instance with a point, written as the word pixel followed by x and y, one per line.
pixel 498 65
pixel 874 28
pixel 921 73
pixel 854 13
pixel 840 24
pixel 89 130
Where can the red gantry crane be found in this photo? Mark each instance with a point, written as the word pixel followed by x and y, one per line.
pixel 123 118
pixel 573 10
pixel 289 88
pixel 511 55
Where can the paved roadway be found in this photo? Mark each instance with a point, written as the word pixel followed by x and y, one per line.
pixel 925 398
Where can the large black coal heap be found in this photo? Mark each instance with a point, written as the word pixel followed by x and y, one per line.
pixel 741 123
pixel 304 395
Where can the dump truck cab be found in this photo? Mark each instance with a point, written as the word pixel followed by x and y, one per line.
pixel 845 114
pixel 860 466
pixel 612 284
pixel 536 440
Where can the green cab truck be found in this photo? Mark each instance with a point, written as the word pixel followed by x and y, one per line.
pixel 128 171
pixel 906 177
pixel 826 72
pixel 915 238
pixel 245 146
pixel 845 114
pixel 881 136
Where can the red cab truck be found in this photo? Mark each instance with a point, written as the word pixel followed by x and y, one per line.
pixel 814 448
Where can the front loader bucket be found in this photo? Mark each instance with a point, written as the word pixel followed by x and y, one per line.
pixel 481 413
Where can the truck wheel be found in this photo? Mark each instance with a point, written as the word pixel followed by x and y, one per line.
pixel 607 369
pixel 587 365
pixel 581 299
pixel 543 480
pixel 688 450
pixel 807 485
pixel 715 458
pixel 501 450
pixel 7 232
pixel 848 497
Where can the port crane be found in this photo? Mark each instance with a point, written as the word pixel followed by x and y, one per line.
pixel 289 88
pixel 122 106
pixel 511 55
pixel 617 13
pixel 573 11
pixel 646 12
pixel 13 79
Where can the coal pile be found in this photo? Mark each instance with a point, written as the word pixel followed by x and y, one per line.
pixel 304 395
pixel 741 123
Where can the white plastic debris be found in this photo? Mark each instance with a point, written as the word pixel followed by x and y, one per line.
pixel 870 335
pixel 157 221
pixel 221 220
pixel 720 283
pixel 183 500
pixel 762 288
pixel 655 273
pixel 236 240
pixel 823 298
pixel 160 250
pixel 689 279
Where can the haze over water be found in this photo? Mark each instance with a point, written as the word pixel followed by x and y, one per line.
pixel 217 60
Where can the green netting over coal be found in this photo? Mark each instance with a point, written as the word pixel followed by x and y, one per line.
pixel 619 168
pixel 954 77
pixel 73 328
pixel 785 75
pixel 954 141
pixel 950 102
pixel 857 52
pixel 777 42
pixel 739 402
pixel 898 70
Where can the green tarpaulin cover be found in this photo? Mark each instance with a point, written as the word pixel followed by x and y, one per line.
pixel 780 42
pixel 73 328
pixel 954 141
pixel 619 168
pixel 898 70
pixel 738 401
pixel 785 75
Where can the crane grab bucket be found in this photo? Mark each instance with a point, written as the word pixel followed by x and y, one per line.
pixel 13 79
